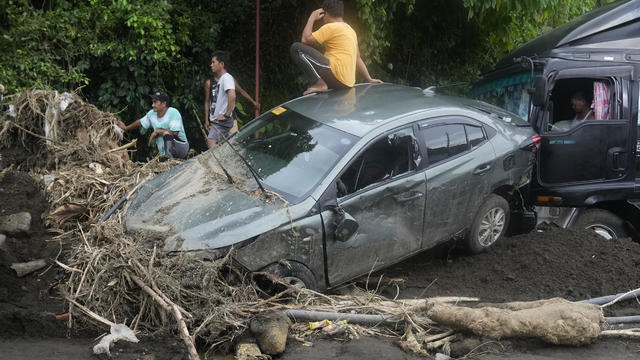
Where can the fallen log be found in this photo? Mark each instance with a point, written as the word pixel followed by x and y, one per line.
pixel 555 321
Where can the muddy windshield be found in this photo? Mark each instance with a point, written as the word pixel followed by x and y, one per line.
pixel 291 153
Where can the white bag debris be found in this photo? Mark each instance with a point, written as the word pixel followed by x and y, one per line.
pixel 12 111
pixel 118 332
pixel 65 100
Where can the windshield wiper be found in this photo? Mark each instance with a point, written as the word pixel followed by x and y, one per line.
pixel 229 178
pixel 253 172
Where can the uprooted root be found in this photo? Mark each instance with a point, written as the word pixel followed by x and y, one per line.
pixel 56 128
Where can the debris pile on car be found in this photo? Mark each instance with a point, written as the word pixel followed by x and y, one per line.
pixel 114 278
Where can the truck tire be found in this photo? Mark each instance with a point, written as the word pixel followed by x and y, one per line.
pixel 602 222
pixel 489 225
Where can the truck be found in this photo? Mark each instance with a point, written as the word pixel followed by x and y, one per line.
pixel 587 171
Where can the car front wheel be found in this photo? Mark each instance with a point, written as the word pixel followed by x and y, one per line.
pixel 293 274
pixel 602 222
pixel 489 225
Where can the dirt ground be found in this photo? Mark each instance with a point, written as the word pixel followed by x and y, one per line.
pixel 574 265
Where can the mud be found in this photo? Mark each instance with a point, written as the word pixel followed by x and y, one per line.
pixel 571 264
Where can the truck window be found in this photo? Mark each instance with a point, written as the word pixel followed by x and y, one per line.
pixel 509 93
pixel 576 100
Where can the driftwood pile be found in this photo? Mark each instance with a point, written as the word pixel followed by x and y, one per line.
pixel 117 278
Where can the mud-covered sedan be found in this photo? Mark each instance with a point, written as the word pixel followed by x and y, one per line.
pixel 333 185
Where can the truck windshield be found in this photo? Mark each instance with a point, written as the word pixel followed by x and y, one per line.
pixel 509 93
pixel 291 153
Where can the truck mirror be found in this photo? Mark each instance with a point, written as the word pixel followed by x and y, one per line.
pixel 539 91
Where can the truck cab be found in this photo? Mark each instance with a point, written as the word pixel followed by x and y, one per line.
pixel 578 87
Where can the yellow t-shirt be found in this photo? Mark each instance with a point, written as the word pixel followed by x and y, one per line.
pixel 341 48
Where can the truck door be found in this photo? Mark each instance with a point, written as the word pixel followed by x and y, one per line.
pixel 585 127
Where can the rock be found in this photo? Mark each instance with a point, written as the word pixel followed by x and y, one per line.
pixel 3 243
pixel 270 330
pixel 441 356
pixel 27 268
pixel 14 223
pixel 465 346
pixel 250 351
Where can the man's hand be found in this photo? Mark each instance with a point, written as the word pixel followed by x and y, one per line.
pixel 317 15
pixel 121 125
pixel 222 118
pixel 158 132
pixel 375 81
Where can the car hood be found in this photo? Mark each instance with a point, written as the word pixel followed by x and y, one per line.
pixel 194 207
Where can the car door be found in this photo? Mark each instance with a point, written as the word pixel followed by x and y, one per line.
pixel 460 163
pixel 588 151
pixel 383 191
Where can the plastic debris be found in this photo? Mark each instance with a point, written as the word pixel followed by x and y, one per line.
pixel 65 100
pixel 318 324
pixel 118 332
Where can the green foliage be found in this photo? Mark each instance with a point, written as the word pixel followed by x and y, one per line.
pixel 377 17
pixel 119 51
pixel 39 50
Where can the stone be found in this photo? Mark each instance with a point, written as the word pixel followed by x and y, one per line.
pixel 15 223
pixel 270 330
pixel 3 243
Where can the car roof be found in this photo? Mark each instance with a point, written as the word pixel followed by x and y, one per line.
pixel 364 107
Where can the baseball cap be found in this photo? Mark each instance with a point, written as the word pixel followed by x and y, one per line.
pixel 160 97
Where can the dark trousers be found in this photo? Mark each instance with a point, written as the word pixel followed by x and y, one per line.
pixel 314 65
pixel 174 147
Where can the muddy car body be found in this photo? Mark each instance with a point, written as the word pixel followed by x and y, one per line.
pixel 354 180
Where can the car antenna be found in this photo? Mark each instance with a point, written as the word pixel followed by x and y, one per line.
pixel 255 174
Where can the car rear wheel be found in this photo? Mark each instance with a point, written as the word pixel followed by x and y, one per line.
pixel 489 225
pixel 294 274
pixel 603 222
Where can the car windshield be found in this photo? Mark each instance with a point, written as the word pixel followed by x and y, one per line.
pixel 291 153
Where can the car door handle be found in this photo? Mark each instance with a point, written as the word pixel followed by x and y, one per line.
pixel 482 169
pixel 408 196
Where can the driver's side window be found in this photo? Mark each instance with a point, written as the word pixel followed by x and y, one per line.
pixel 387 157
pixel 576 100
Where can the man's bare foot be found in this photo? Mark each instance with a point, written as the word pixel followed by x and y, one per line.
pixel 315 90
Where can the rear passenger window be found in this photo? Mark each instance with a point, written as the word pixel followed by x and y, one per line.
pixel 475 135
pixel 445 141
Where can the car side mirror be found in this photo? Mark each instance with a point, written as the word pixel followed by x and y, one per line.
pixel 539 91
pixel 346 227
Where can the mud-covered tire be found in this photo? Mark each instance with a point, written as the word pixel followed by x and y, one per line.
pixel 603 222
pixel 489 225
pixel 294 274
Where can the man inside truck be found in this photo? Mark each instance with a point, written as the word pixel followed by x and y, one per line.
pixel 581 106
pixel 587 99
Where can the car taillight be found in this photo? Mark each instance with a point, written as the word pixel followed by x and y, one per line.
pixel 532 143
pixel 536 140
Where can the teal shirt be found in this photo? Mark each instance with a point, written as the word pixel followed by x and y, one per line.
pixel 171 121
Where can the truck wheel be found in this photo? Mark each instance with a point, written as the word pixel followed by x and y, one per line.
pixel 602 222
pixel 489 225
pixel 294 274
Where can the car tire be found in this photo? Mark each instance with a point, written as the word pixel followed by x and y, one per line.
pixel 489 225
pixel 294 274
pixel 603 222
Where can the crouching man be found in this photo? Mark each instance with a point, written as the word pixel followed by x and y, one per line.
pixel 168 130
